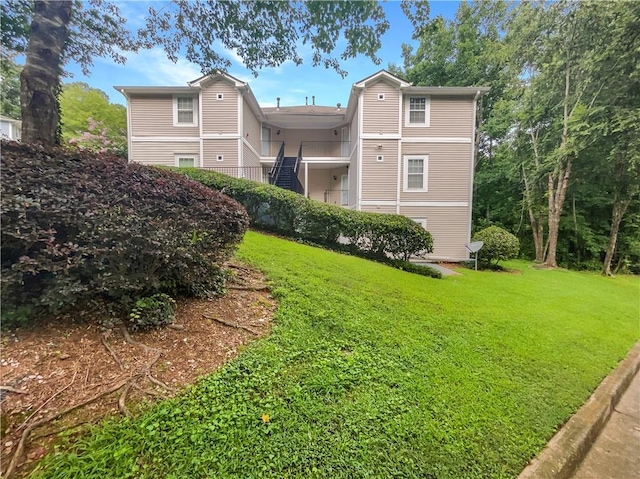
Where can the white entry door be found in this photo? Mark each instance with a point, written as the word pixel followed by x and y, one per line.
pixel 344 187
pixel 266 141
pixel 345 142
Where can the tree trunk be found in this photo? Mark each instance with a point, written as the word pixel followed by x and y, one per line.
pixel 537 227
pixel 619 209
pixel 557 193
pixel 40 78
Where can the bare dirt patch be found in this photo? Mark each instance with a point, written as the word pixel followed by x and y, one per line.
pixel 63 364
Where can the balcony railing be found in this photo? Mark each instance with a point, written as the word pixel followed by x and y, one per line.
pixel 336 197
pixel 310 149
pixel 327 149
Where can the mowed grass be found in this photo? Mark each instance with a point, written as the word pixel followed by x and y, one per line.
pixel 374 372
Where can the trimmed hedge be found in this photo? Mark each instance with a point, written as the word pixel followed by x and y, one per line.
pixel 81 230
pixel 499 245
pixel 371 235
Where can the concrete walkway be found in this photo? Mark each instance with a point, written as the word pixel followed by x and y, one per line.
pixel 602 439
pixel 436 266
pixel 615 454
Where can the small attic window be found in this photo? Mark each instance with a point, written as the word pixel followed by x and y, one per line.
pixel 380 96
pixel 219 96
pixel 219 158
pixel 379 158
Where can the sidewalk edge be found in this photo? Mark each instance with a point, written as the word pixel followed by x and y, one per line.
pixel 567 449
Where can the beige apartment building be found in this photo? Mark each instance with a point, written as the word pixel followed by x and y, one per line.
pixel 394 148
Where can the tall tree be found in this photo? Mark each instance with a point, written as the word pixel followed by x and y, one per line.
pixel 89 120
pixel 569 53
pixel 262 33
pixel 40 77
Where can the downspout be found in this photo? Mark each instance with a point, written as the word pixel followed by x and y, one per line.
pixel 472 166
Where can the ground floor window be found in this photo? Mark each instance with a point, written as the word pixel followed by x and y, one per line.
pixel 186 161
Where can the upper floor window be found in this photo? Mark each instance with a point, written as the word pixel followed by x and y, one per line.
pixel 417 111
pixel 185 111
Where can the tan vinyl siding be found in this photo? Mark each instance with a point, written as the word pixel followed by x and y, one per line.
pixel 380 115
pixel 161 153
pixel 386 209
pixel 449 117
pixel 317 143
pixel 249 158
pixel 449 227
pixel 152 115
pixel 319 181
pixel 228 148
pixel 379 179
pixel 220 115
pixel 449 171
pixel 251 126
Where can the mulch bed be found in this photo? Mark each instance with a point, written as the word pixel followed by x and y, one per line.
pixel 63 364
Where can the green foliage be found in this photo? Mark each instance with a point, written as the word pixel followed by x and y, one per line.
pixel 90 121
pixel 371 235
pixel 266 34
pixel 9 87
pixel 499 245
pixel 152 312
pixel 465 378
pixel 421 269
pixel 80 230
pixel 96 30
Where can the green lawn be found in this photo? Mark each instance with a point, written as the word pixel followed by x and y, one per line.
pixel 373 372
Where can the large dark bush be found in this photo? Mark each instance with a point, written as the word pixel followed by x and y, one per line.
pixel 371 235
pixel 80 229
pixel 499 245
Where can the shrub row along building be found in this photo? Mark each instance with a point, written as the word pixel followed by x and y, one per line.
pixel 394 148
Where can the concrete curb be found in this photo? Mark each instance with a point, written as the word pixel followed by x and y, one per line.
pixel 567 449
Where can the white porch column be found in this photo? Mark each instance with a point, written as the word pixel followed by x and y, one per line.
pixel 306 179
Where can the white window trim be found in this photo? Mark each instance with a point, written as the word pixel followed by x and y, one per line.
pixel 379 158
pixel 425 173
pixel 427 112
pixel 421 221
pixel 175 111
pixel 219 96
pixel 193 156
pixel 219 157
pixel 381 96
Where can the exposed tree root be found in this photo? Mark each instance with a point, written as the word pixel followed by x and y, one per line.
pixel 25 435
pixel 122 406
pixel 10 389
pixel 177 327
pixel 237 266
pixel 24 423
pixel 150 392
pixel 111 351
pixel 58 431
pixel 232 325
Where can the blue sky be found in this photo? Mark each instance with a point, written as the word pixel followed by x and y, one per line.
pixel 289 82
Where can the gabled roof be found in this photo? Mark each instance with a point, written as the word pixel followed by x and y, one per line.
pixel 382 75
pixel 198 82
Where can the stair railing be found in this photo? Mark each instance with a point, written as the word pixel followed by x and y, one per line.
pixel 274 173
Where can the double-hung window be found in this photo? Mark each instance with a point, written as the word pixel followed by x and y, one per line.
pixel 417 111
pixel 415 173
pixel 185 111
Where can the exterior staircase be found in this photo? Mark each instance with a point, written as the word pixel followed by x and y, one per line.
pixel 284 173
